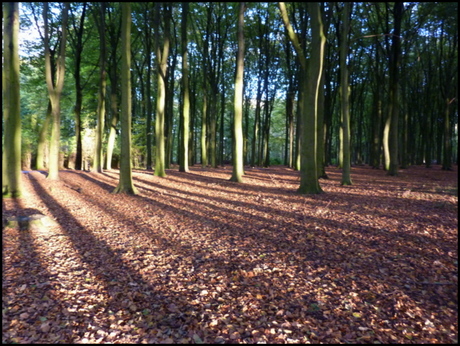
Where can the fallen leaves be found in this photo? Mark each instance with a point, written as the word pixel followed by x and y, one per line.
pixel 196 259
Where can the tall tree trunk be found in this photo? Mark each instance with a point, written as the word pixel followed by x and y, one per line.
pixel 148 129
pixel 55 91
pixel 162 64
pixel 114 29
pixel 311 80
pixel 238 168
pixel 125 184
pixel 78 46
pixel 11 158
pixel 345 145
pixel 394 89
pixel 185 115
pixel 98 158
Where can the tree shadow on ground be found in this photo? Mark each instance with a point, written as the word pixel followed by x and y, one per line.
pixel 330 250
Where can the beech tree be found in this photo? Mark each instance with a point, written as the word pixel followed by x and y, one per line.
pixel 238 168
pixel 125 184
pixel 11 167
pixel 162 64
pixel 98 157
pixel 311 76
pixel 184 123
pixel 418 73
pixel 55 91
pixel 344 91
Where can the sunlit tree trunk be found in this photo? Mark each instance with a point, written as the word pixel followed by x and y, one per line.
pixel 238 168
pixel 11 167
pixel 55 91
pixel 125 184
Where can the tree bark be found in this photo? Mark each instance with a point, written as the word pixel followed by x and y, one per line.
pixel 55 91
pixel 344 84
pixel 125 184
pixel 11 168
pixel 185 121
pixel 238 168
pixel 98 158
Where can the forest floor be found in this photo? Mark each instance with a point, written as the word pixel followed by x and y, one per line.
pixel 195 258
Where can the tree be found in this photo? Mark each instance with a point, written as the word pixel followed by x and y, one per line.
pixel 114 31
pixel 98 158
pixel 183 163
pixel 125 184
pixel 11 170
pixel 238 168
pixel 344 88
pixel 395 59
pixel 311 75
pixel 76 40
pixel 162 64
pixel 55 91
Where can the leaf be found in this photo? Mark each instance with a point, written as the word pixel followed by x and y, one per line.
pixel 42 318
pixel 197 339
pixel 356 314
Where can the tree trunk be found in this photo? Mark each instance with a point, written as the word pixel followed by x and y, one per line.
pixel 394 89
pixel 125 184
pixel 55 91
pixel 238 168
pixel 11 167
pixel 345 145
pixel 185 122
pixel 98 158
pixel 162 64
pixel 42 140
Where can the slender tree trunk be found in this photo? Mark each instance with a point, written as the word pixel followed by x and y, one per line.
pixel 125 184
pixel 394 89
pixel 148 129
pixel 55 91
pixel 185 121
pixel 345 145
pixel 238 168
pixel 98 158
pixel 162 63
pixel 11 158
pixel 78 46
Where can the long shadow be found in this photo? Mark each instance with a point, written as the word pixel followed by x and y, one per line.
pixel 395 207
pixel 306 251
pixel 126 291
pixel 27 283
pixel 290 219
